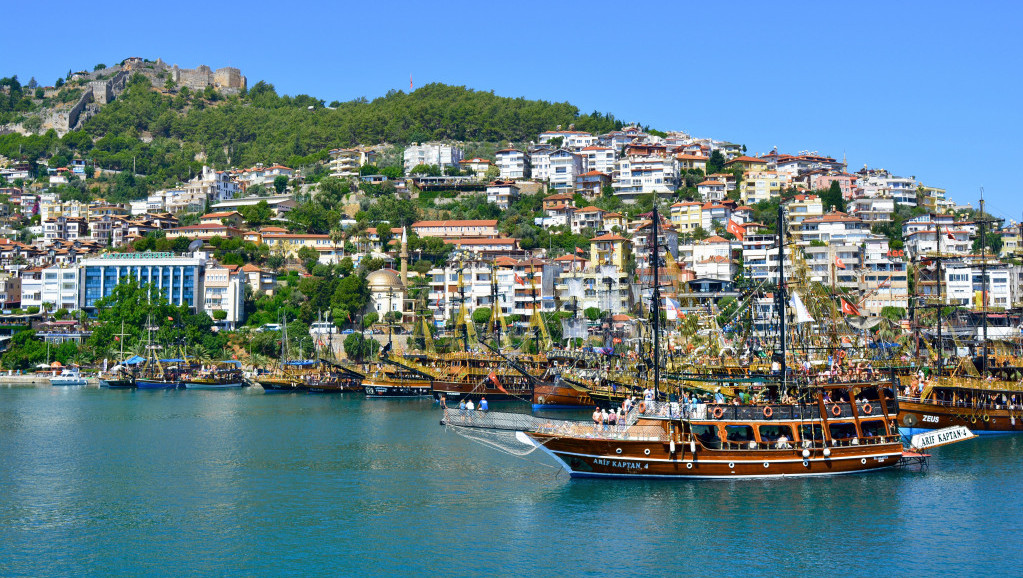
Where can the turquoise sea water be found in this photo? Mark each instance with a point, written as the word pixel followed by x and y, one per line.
pixel 101 482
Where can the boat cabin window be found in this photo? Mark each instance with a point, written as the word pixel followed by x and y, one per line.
pixel 739 433
pixel 811 432
pixel 771 433
pixel 872 428
pixel 708 435
pixel 842 431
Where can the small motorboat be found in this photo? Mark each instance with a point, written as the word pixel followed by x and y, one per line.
pixel 69 376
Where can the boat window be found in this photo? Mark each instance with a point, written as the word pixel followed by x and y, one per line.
pixel 872 428
pixel 707 434
pixel 811 432
pixel 771 433
pixel 739 433
pixel 842 431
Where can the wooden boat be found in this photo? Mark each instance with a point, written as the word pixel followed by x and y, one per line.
pixel 984 406
pixel 397 379
pixel 336 378
pixel 223 375
pixel 669 440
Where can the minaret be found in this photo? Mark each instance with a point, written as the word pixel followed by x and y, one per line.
pixel 404 257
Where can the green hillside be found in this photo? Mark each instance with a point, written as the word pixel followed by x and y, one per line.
pixel 186 129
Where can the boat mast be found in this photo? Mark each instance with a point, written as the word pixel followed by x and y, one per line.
pixel 781 290
pixel 494 313
pixel 655 304
pixel 983 280
pixel 941 344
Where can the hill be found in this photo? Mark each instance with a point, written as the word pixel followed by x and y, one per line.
pixel 167 134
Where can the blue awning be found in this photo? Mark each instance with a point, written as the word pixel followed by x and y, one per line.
pixel 134 360
pixel 301 362
pixel 172 361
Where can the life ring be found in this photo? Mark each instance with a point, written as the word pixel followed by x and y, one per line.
pixel 867 409
pixel 973 419
pixel 835 410
pixel 986 417
pixel 768 412
pixel 718 412
pixel 642 407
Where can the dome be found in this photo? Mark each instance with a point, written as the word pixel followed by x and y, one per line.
pixel 384 280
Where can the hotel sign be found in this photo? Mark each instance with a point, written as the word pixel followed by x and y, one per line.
pixel 941 437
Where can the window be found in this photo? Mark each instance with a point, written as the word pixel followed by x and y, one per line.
pixel 842 431
pixel 811 432
pixel 872 428
pixel 771 433
pixel 708 435
pixel 738 433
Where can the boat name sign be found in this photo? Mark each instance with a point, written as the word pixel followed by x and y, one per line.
pixel 940 437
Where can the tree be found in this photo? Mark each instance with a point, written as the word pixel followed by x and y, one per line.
pixel 385 234
pixel 220 315
pixel 359 348
pixel 481 315
pixel 257 215
pixel 426 170
pixel 716 162
pixel 833 197
pixel 593 313
pixel 309 257
pixel 280 183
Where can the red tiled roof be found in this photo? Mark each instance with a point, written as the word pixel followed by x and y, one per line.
pixel 457 223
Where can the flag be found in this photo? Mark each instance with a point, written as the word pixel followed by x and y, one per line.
pixel 884 283
pixel 839 263
pixel 410 87
pixel 117 338
pixel 519 280
pixel 672 307
pixel 802 315
pixel 579 250
pixel 493 378
pixel 951 236
pixel 736 229
pixel 170 319
pixel 849 308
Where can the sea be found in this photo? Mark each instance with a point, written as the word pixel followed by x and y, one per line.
pixel 97 482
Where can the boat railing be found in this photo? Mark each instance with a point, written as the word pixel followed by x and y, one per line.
pixel 962 403
pixel 671 409
pixel 525 422
pixel 747 445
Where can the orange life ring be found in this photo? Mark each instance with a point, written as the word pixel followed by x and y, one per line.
pixel 835 410
pixel 867 409
pixel 718 412
pixel 768 412
pixel 642 407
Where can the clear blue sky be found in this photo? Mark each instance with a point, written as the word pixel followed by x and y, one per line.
pixel 921 88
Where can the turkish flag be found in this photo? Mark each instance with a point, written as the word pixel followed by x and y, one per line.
pixel 736 229
pixel 849 308
pixel 493 379
pixel 839 263
pixel 951 236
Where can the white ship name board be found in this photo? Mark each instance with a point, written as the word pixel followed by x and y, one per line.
pixel 941 437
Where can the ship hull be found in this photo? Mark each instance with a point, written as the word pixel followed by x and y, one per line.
pixel 915 417
pixel 156 384
pixel 554 396
pixel 205 385
pixel 601 459
pixel 383 389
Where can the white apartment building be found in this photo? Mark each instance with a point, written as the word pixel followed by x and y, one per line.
pixel 441 155
pixel 59 286
pixel 598 158
pixel 872 209
pixel 212 185
pixel 347 162
pixel 883 184
pixel 502 193
pixel 712 191
pixel 635 176
pixel 513 164
pixel 570 139
pixel 565 166
pixel 224 290
pixel 949 242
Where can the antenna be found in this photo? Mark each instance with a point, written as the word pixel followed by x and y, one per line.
pixel 195 245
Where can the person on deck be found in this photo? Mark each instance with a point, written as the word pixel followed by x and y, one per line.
pixel 718 396
pixel 484 406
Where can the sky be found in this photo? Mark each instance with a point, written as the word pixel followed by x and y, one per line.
pixel 924 89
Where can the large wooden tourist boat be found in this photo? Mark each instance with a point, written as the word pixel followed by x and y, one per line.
pixel 986 406
pixel 671 440
pixel 220 375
